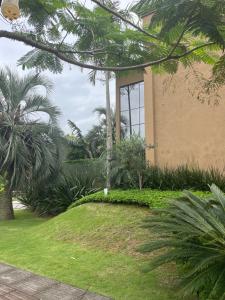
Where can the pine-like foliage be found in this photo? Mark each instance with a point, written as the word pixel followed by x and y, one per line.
pixel 192 233
pixel 99 38
pixel 200 17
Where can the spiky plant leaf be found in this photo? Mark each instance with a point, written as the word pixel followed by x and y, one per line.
pixel 192 233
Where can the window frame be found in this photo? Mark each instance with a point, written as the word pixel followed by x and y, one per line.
pixel 129 110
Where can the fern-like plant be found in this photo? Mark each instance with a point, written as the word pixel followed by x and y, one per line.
pixel 192 233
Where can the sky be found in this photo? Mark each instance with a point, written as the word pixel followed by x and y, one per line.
pixel 73 93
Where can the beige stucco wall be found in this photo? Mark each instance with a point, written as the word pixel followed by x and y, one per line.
pixel 186 130
pixel 183 129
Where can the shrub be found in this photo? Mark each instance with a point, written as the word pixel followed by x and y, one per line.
pixel 57 194
pixel 145 197
pixel 183 177
pixel 180 178
pixel 129 165
pixel 192 233
pixel 130 170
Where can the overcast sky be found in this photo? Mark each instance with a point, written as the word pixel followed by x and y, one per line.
pixel 73 93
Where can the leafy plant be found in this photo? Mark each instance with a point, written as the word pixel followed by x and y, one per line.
pixel 129 164
pixel 145 197
pixel 54 197
pixel 180 178
pixel 192 233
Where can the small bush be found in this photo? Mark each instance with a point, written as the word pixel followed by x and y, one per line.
pixel 129 164
pixel 145 197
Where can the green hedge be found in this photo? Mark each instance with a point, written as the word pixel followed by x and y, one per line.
pixel 146 197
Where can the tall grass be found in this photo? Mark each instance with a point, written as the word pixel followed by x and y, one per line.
pixel 180 178
pixel 57 194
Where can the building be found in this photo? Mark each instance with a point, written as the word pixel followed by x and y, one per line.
pixel 178 128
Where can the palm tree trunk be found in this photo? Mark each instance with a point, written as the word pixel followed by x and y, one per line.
pixel 109 132
pixel 6 207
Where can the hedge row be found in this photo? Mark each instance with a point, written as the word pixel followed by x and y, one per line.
pixel 146 197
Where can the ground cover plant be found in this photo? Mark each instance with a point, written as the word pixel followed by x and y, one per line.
pixel 145 197
pixel 192 233
pixel 92 246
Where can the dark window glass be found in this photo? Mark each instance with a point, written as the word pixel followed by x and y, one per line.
pixel 132 109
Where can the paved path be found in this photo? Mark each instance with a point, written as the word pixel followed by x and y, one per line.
pixel 18 205
pixel 16 284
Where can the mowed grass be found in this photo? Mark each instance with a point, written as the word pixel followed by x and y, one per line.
pixel 92 246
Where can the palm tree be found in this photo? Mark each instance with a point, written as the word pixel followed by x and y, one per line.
pixel 92 145
pixel 101 111
pixel 29 134
pixel 79 142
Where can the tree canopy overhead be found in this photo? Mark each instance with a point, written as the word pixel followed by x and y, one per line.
pixel 184 31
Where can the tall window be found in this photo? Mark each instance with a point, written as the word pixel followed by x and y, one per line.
pixel 132 110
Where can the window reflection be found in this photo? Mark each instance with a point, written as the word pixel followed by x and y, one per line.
pixel 132 110
pixel 134 96
pixel 124 99
pixel 135 116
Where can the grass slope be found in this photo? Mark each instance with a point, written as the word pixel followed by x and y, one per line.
pixel 92 246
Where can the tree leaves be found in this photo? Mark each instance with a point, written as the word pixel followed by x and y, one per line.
pixel 200 17
pixel 41 60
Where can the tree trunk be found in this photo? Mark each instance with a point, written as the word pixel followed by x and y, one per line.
pixel 109 141
pixel 6 207
pixel 140 180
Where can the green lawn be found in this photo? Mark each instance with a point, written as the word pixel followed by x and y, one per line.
pixel 92 246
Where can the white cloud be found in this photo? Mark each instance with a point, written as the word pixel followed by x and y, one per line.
pixel 73 93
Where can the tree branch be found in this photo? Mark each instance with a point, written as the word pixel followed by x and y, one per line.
pixel 88 52
pixel 125 20
pixel 39 45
